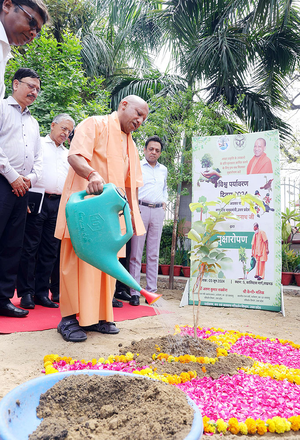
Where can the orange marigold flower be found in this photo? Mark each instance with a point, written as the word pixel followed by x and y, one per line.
pixel 203 369
pixel 261 427
pixel 295 423
pixel 251 425
pixel 233 426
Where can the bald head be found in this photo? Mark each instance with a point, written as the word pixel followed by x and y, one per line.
pixel 132 112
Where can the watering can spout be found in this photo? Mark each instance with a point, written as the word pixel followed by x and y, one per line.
pixel 95 232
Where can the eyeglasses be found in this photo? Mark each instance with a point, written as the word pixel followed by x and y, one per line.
pixel 32 21
pixel 65 129
pixel 31 87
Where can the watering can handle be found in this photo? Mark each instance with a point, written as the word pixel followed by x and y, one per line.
pixel 79 196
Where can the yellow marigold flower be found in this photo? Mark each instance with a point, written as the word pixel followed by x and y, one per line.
pixel 243 428
pixel 226 346
pixel 50 370
pixel 72 362
pixel 233 425
pixel 211 427
pixel 129 356
pixel 170 359
pixel 251 425
pixel 46 364
pixel 123 358
pixel 193 358
pixel 261 427
pixel 221 426
pixel 94 361
pixel 207 332
pixel 154 356
pixel 101 360
pixel 279 424
pixel 206 360
pixel 83 361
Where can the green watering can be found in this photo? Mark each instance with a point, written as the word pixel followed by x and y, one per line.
pixel 95 233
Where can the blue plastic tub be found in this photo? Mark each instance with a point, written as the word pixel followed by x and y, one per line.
pixel 18 408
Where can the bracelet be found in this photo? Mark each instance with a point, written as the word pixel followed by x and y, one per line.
pixel 93 171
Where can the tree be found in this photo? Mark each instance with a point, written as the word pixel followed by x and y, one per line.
pixel 65 88
pixel 175 119
pixel 242 50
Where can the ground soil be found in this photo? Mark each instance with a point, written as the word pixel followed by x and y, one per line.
pixel 21 354
pixel 122 408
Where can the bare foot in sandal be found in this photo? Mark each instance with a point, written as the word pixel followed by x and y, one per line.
pixel 71 330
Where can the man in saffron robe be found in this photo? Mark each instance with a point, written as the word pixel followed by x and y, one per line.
pixel 102 151
pixel 260 163
pixel 260 251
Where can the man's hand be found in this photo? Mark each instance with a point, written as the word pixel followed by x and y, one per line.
pixel 20 186
pixel 95 185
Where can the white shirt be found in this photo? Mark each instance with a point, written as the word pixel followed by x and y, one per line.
pixel 55 166
pixel 20 146
pixel 4 57
pixel 154 189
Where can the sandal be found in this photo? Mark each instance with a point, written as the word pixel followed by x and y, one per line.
pixel 71 331
pixel 102 327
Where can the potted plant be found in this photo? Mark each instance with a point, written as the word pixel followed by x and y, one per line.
pixel 165 261
pixel 289 256
pixel 290 260
pixel 178 260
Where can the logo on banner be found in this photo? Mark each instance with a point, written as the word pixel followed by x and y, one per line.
pixel 239 142
pixel 223 143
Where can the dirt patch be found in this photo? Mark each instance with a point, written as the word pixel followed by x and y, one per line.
pixel 179 346
pixel 117 407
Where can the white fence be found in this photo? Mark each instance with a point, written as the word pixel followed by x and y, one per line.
pixel 290 194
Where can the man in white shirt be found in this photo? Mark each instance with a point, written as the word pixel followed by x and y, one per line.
pixel 20 169
pixel 40 247
pixel 20 23
pixel 152 201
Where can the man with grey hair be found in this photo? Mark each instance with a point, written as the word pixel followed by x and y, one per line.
pixel 20 22
pixel 40 247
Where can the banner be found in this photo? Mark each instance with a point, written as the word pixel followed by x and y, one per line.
pixel 242 164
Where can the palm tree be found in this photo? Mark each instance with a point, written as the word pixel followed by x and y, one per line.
pixel 242 51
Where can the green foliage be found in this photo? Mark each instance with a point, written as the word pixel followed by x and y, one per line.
pixel 176 119
pixel 165 243
pixel 287 231
pixel 65 88
pixel 243 258
pixel 290 259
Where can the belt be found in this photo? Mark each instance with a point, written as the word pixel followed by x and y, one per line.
pixel 52 196
pixel 151 205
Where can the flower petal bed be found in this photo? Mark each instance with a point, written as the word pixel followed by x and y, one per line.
pixel 259 399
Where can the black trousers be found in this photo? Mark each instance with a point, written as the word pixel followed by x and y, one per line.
pixel 40 249
pixel 12 226
pixel 54 279
pixel 125 262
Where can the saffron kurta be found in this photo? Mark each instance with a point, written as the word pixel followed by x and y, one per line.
pixel 259 251
pixel 85 290
pixel 260 165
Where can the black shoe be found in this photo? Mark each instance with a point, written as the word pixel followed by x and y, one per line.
pixel 13 311
pixel 45 302
pixel 123 295
pixel 55 298
pixel 27 302
pixel 116 303
pixel 135 300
